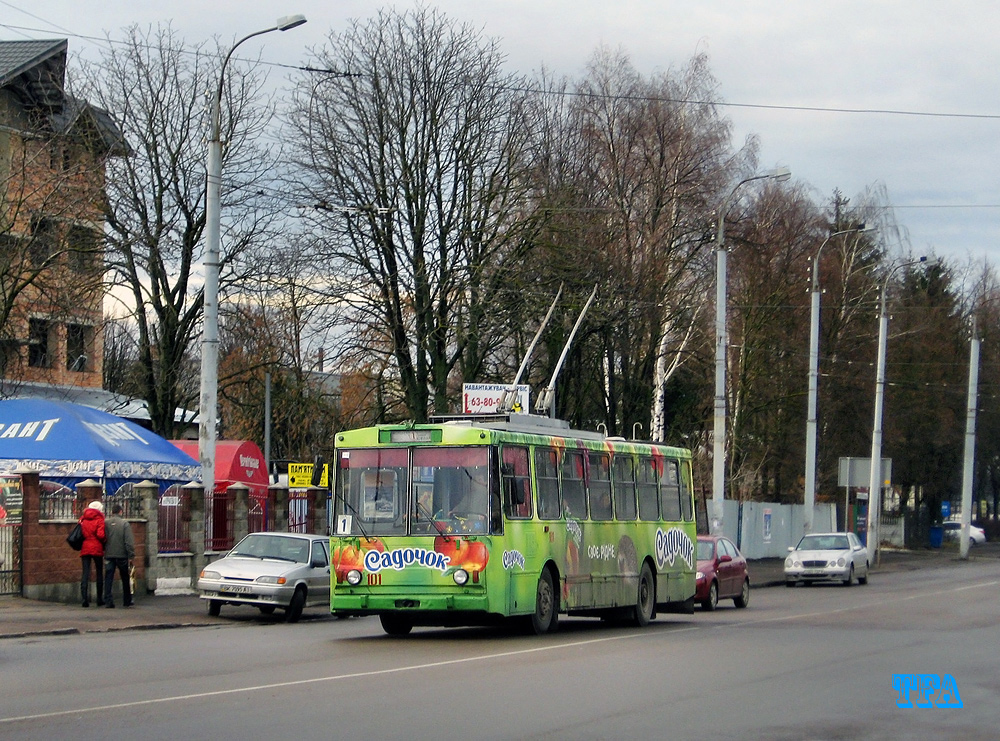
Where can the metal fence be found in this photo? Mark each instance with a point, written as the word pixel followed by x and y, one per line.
pixel 57 502
pixel 261 513
pixel 10 558
pixel 219 519
pixel 300 514
pixel 173 520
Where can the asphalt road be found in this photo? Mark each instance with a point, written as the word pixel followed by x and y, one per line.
pixel 806 663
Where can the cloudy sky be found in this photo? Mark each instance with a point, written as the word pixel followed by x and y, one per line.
pixel 848 94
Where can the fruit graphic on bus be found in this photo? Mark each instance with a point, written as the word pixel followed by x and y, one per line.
pixel 471 555
pixel 351 556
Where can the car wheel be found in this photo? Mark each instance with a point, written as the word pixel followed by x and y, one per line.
pixel 294 610
pixel 266 609
pixel 645 601
pixel 395 625
pixel 850 577
pixel 744 599
pixel 864 579
pixel 713 598
pixel 546 616
pixel 214 607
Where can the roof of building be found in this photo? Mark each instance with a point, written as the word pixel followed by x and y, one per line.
pixel 37 68
pixel 130 408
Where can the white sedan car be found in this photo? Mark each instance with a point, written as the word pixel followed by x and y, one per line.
pixel 286 571
pixel 827 557
pixel 977 536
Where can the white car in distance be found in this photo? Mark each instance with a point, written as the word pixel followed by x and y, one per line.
pixel 827 557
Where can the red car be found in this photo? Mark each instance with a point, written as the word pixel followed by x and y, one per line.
pixel 722 573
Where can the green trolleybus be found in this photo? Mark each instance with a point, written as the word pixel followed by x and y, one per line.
pixel 470 520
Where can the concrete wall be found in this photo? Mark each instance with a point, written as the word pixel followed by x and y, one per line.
pixel 767 529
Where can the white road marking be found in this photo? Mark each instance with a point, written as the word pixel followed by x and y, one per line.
pixel 470 659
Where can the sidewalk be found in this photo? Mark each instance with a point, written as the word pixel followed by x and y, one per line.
pixel 23 617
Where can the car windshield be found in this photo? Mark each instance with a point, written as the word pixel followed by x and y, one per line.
pixel 706 550
pixel 262 545
pixel 823 543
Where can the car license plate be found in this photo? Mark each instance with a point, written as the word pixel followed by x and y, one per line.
pixel 812 572
pixel 234 589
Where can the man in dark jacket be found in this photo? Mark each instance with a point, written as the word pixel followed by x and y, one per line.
pixel 119 550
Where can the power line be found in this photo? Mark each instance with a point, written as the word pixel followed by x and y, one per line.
pixel 104 41
pixel 760 106
pixel 599 96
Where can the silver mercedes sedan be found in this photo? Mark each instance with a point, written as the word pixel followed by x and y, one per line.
pixel 287 571
pixel 819 557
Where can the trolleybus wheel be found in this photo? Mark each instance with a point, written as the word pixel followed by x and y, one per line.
pixel 546 615
pixel 646 598
pixel 395 625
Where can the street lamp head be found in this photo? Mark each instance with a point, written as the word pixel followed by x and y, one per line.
pixel 781 174
pixel 288 22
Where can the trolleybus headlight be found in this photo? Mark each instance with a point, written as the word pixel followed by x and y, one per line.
pixel 461 577
pixel 354 577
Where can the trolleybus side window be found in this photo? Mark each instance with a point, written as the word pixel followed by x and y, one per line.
pixel 599 486
pixel 670 492
pixel 646 483
pixel 547 476
pixel 574 495
pixel 624 469
pixel 517 499
pixel 373 483
pixel 686 507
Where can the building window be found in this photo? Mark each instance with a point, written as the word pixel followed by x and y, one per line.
pixel 43 232
pixel 38 343
pixel 9 354
pixel 78 339
pixel 84 244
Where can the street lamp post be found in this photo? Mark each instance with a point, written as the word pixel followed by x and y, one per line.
pixel 810 491
pixel 970 443
pixel 207 410
pixel 875 477
pixel 721 342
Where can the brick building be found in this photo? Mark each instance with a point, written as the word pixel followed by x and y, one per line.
pixel 53 152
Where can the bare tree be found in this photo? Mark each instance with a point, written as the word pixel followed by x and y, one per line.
pixel 769 329
pixel 424 144
pixel 153 85
pixel 632 171
pixel 280 324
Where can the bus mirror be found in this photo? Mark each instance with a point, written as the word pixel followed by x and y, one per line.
pixel 317 475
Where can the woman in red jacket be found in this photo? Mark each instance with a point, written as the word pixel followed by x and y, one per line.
pixel 92 524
